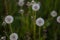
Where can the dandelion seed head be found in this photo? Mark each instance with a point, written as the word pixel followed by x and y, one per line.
pixel 58 19
pixel 20 3
pixel 9 19
pixel 13 36
pixel 35 7
pixel 40 22
pixel 53 13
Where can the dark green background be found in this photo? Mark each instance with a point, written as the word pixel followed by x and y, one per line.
pixel 46 7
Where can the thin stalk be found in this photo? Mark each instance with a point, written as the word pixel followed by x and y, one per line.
pixel 34 25
pixel 22 15
pixel 22 19
pixel 55 36
pixel 10 28
pixel 39 33
pixel 55 4
pixel 27 19
pixel 44 29
pixel 55 32
pixel 27 24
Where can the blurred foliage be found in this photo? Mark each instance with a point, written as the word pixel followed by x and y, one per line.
pixel 19 25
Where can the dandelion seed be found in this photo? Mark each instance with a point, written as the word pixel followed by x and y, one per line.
pixel 58 19
pixel 35 6
pixel 13 36
pixel 9 19
pixel 53 14
pixel 40 22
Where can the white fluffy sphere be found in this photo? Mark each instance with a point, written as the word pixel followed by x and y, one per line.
pixel 9 19
pixel 35 6
pixel 53 14
pixel 13 36
pixel 58 19
pixel 40 22
pixel 20 3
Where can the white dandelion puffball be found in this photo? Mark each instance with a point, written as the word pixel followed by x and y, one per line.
pixel 53 14
pixel 21 3
pixel 9 19
pixel 40 22
pixel 13 36
pixel 58 19
pixel 35 6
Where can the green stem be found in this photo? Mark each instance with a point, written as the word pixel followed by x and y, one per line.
pixel 55 36
pixel 22 19
pixel 39 33
pixel 34 20
pixel 27 19
pixel 44 28
pixel 55 4
pixel 27 24
pixel 10 28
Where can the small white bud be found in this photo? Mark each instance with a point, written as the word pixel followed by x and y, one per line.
pixel 21 11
